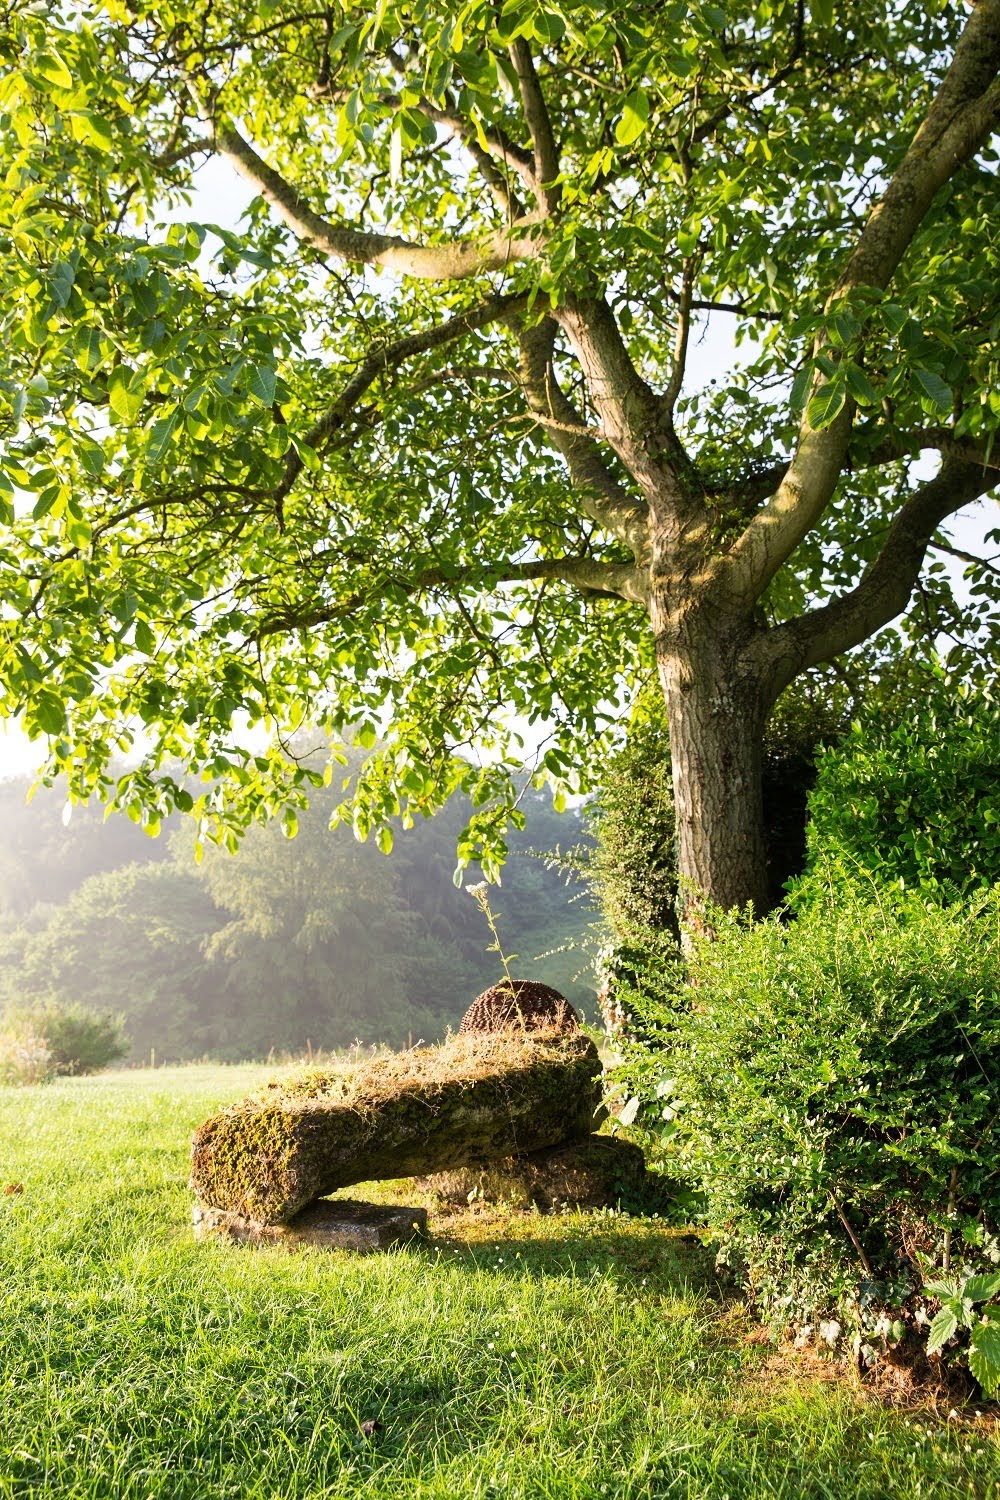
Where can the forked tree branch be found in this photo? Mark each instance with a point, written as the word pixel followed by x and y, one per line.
pixel 632 416
pixel 384 360
pixel 963 113
pixel 885 587
pixel 603 498
pixel 495 251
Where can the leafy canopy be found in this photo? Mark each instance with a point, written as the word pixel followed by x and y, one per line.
pixel 301 471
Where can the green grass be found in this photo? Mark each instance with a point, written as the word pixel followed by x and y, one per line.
pixel 573 1357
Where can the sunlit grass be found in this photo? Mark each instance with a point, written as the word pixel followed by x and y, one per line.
pixel 573 1356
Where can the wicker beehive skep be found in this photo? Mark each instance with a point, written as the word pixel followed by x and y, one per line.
pixel 522 1003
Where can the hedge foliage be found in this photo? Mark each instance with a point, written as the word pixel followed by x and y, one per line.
pixel 915 800
pixel 833 1087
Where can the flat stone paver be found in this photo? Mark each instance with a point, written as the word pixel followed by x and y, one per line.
pixel 333 1224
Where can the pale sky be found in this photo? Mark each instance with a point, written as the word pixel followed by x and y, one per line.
pixel 220 198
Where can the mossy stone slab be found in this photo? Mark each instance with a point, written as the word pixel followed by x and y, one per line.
pixel 332 1224
pixel 593 1173
pixel 474 1100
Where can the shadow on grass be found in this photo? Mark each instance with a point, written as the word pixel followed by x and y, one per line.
pixel 646 1253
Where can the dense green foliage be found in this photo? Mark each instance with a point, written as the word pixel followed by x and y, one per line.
pixel 915 800
pixel 414 446
pixel 316 939
pixel 75 1038
pixel 831 1086
pixel 535 1358
pixel 633 867
pixel 51 1040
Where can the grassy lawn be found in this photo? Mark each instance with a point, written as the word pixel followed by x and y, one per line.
pixel 572 1357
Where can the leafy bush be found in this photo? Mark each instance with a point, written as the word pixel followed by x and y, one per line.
pixel 836 1088
pixel 916 802
pixel 75 1038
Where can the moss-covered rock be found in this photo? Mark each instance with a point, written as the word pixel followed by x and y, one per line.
pixel 476 1099
pixel 594 1173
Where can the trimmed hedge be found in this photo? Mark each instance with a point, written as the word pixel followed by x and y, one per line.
pixel 915 803
pixel 833 1088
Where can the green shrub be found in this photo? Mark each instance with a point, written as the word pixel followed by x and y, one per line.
pixel 77 1039
pixel 916 802
pixel 836 1090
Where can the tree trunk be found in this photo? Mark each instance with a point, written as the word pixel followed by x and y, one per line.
pixel 716 712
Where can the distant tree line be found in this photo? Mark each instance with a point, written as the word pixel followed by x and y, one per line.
pixel 316 939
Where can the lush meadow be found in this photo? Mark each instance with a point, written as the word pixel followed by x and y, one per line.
pixel 570 1357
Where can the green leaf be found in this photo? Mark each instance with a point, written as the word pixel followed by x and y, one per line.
pixel 45 502
pixel 126 390
pixel 822 11
pixel 635 115
pixel 383 839
pixel 937 391
pixel 88 127
pixel 52 68
pixel 984 1356
pixel 826 405
pixel 894 317
pixel 261 380
pixel 160 438
pixel 548 28
pixel 982 1288
pixel 944 1327
pixel 48 712
pixel 88 349
pixel 144 639
pixel 943 1287
pixel 860 386
pixel 844 329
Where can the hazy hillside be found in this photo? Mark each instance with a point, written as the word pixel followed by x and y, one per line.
pixel 316 940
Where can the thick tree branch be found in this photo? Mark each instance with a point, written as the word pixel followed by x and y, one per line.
pixel 589 575
pixel 681 335
pixel 385 359
pixel 632 417
pixel 885 446
pixel 494 252
pixel 498 162
pixel 602 497
pixel 885 587
pixel 960 118
pixel 539 124
pixel 510 156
